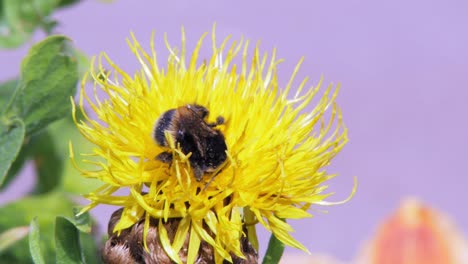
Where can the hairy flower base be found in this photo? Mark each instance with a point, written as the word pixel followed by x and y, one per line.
pixel 128 246
pixel 277 146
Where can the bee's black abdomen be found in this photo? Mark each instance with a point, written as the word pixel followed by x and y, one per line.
pixel 164 123
pixel 215 150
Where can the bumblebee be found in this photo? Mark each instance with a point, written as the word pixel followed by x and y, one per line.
pixel 188 128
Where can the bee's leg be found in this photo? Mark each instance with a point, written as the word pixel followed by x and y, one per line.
pixel 165 157
pixel 219 121
pixel 198 172
pixel 206 185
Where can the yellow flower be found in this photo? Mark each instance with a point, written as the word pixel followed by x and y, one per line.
pixel 277 147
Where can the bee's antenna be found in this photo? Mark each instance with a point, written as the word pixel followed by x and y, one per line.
pixel 219 121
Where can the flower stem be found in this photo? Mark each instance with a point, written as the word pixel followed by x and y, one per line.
pixel 251 230
pixel 274 251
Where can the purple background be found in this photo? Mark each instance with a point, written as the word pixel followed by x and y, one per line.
pixel 403 67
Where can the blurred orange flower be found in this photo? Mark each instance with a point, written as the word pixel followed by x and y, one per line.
pixel 416 234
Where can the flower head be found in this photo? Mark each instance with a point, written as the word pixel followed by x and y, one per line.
pixel 276 148
pixel 416 233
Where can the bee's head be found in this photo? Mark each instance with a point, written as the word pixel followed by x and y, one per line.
pixel 199 110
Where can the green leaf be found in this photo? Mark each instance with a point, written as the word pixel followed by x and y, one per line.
pixel 16 166
pixel 34 242
pixel 21 212
pixel 67 240
pixel 88 244
pixel 274 251
pixel 50 146
pixel 7 90
pixel 49 25
pixel 49 163
pixel 62 132
pixel 66 3
pixel 20 18
pixel 49 74
pixel 11 236
pixel 50 152
pixel 11 139
pixel 83 62
pixel 82 221
pixel 90 249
